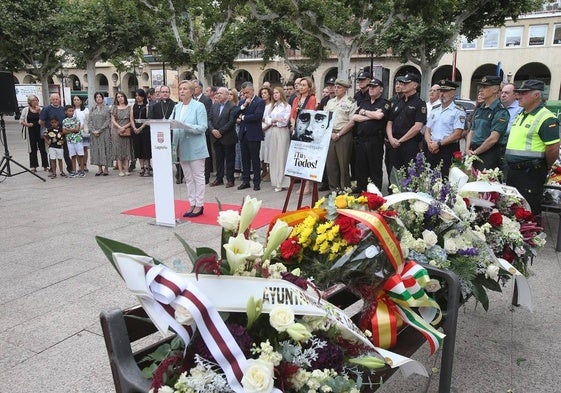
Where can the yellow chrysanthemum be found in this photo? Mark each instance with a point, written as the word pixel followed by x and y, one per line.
pixel 341 201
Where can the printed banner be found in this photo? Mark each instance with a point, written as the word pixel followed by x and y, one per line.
pixel 309 145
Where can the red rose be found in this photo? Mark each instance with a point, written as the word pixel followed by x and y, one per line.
pixel 289 248
pixel 374 200
pixel 457 155
pixel 466 201
pixel 496 219
pixel 348 229
pixel 508 254
pixel 558 170
pixel 523 214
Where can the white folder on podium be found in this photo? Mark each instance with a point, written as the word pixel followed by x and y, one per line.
pixel 160 139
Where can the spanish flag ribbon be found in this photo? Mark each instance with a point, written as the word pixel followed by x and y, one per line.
pixel 376 223
pixel 295 217
pixel 400 292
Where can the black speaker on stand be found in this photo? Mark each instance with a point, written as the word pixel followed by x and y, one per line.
pixel 8 106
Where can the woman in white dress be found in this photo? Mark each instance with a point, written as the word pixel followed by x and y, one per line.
pixel 82 113
pixel 266 95
pixel 279 138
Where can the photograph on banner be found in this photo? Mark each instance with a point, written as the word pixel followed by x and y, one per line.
pixel 157 77
pixel 309 145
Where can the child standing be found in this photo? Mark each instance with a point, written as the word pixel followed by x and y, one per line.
pixel 54 139
pixel 71 129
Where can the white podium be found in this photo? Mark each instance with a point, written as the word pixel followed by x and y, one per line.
pixel 160 138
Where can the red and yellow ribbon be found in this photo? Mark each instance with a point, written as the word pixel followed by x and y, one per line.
pixel 400 292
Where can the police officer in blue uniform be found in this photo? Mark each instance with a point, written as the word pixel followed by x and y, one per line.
pixel 444 129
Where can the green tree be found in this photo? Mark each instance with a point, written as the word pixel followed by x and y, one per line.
pixel 340 26
pixel 206 36
pixel 102 30
pixel 431 28
pixel 31 43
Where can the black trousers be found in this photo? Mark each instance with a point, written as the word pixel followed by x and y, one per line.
pixel 407 151
pixel 250 158
pixel 444 155
pixel 225 158
pixel 529 182
pixel 368 161
pixel 208 160
pixel 491 158
pixel 36 142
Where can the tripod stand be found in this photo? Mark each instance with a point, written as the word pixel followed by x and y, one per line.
pixel 5 169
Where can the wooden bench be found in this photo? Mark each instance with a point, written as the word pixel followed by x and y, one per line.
pixel 551 207
pixel 121 328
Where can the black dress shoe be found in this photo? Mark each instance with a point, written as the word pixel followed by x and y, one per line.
pixel 230 184
pixel 196 213
pixel 243 186
pixel 256 188
pixel 217 183
pixel 188 214
pixel 178 181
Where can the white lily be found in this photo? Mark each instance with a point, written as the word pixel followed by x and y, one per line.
pixel 278 234
pixel 249 210
pixel 238 249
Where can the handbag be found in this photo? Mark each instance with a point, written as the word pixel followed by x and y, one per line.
pixel 126 132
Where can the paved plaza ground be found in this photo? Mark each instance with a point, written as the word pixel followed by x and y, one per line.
pixel 54 281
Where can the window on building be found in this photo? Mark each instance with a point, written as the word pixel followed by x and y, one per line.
pixel 513 36
pixel 557 35
pixel 536 35
pixel 465 44
pixel 491 38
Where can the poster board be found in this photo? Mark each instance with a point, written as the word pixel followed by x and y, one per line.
pixel 309 144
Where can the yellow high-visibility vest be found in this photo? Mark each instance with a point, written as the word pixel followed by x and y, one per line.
pixel 524 139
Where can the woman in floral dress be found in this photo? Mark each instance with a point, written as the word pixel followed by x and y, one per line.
pixel 121 133
pixel 101 152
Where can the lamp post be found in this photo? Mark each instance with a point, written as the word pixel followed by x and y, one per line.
pixel 62 76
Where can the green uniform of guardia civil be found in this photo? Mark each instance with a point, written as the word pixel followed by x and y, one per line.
pixel 529 137
pixel 486 120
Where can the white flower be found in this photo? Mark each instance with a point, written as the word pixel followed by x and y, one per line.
pixel 249 210
pixel 255 249
pixel 419 245
pixel 183 316
pixel 298 332
pixel 371 187
pixel 492 272
pixel 420 207
pixel 278 234
pixel 450 245
pixel 281 317
pixel 432 286
pixel 229 220
pixel 430 238
pixel 237 251
pixel 258 376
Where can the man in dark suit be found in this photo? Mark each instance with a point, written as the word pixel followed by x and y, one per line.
pixel 162 108
pixel 251 134
pixel 199 96
pixel 222 124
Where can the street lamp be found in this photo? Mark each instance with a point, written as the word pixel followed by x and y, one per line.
pixel 62 76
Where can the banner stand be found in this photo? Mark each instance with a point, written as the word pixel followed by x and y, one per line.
pixel 303 182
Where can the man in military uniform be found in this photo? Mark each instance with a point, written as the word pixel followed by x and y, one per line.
pixel 445 126
pixel 340 147
pixel 370 130
pixel 331 87
pixel 363 78
pixel 490 123
pixel 533 144
pixel 406 120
